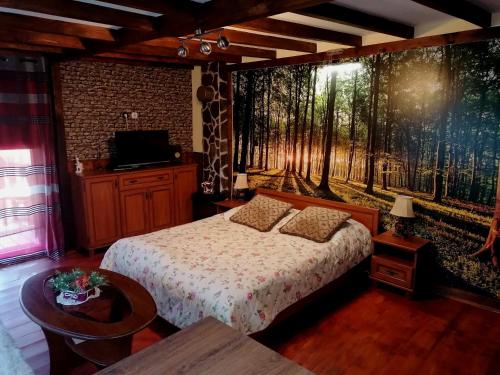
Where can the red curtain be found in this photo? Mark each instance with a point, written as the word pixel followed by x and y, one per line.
pixel 30 219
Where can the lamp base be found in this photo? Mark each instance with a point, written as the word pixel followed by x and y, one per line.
pixel 403 227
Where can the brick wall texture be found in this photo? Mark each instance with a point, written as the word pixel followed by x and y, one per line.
pixel 94 94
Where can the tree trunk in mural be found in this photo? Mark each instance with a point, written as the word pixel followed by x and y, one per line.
pixel 373 133
pixel 296 122
pixel 369 120
pixel 268 118
pixel 492 243
pixel 304 122
pixel 236 121
pixel 388 125
pixel 352 127
pixel 325 175
pixel 441 140
pixel 311 129
pixel 246 123
pixel 288 124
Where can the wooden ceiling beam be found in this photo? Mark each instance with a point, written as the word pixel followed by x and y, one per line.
pixel 194 45
pixel 258 40
pixel 83 11
pixel 462 9
pixel 336 13
pixel 463 37
pixel 286 28
pixel 212 15
pixel 47 39
pixel 142 49
pixel 30 47
pixel 158 6
pixel 19 22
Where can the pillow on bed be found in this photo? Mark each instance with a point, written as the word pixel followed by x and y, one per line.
pixel 315 223
pixel 261 213
pixel 227 215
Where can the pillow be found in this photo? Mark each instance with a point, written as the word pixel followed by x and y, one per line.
pixel 285 220
pixel 227 215
pixel 315 223
pixel 261 213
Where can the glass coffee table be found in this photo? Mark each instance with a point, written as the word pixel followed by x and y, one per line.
pixel 99 330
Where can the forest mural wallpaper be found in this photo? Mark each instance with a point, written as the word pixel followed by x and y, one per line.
pixel 424 123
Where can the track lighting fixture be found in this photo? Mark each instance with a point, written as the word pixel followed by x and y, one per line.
pixel 182 51
pixel 222 42
pixel 205 47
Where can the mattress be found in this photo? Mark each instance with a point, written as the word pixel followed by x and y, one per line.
pixel 236 274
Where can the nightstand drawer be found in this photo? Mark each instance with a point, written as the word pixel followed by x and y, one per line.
pixel 392 272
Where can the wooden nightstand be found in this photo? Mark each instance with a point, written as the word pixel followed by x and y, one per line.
pixel 396 260
pixel 223 206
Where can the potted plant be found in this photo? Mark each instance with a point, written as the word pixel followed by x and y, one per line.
pixel 76 287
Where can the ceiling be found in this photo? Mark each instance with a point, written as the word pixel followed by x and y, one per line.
pixel 151 30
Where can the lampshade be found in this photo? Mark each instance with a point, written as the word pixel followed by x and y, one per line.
pixel 403 206
pixel 241 181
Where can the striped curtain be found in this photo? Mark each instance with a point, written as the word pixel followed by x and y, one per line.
pixel 30 219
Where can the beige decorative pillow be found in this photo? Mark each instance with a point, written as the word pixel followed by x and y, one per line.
pixel 261 213
pixel 315 223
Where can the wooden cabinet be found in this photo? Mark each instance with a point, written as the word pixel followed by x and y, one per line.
pixel 396 261
pixel 184 186
pixel 109 206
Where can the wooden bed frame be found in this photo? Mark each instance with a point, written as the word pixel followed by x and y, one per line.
pixel 369 217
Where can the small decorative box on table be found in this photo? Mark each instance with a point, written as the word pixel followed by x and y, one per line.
pixel 397 260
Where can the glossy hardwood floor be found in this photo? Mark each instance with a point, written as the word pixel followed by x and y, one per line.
pixel 360 331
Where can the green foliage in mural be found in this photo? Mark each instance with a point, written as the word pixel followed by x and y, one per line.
pixel 421 122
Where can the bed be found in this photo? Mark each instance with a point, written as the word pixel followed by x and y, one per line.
pixel 243 277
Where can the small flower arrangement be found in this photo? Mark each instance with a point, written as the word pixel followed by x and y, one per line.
pixel 77 286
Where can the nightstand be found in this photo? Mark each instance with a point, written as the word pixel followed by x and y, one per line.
pixel 397 261
pixel 223 206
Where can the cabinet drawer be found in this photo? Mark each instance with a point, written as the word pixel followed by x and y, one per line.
pixel 392 272
pixel 145 180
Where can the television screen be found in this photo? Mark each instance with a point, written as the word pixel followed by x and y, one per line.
pixel 141 147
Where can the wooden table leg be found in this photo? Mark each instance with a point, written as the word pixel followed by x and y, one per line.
pixel 62 359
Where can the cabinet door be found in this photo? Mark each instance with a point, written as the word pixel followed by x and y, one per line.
pixel 102 211
pixel 134 212
pixel 161 213
pixel 185 184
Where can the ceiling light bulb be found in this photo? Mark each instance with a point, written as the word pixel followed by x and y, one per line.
pixel 182 51
pixel 205 48
pixel 222 42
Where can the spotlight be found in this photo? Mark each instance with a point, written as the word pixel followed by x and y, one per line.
pixel 182 51
pixel 222 42
pixel 205 47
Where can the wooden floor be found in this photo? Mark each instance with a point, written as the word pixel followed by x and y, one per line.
pixel 371 331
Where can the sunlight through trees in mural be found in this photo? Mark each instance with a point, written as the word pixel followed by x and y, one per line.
pixel 421 122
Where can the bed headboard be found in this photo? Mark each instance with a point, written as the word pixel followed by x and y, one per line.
pixel 369 217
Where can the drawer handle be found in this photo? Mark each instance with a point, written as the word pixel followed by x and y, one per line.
pixel 161 177
pixel 390 273
pixel 132 181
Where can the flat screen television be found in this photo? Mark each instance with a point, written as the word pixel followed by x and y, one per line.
pixel 138 148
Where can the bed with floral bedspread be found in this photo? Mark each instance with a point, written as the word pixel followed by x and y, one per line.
pixel 234 273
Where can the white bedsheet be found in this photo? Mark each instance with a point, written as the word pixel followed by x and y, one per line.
pixel 232 272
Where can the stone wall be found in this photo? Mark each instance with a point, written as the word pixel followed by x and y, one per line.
pixel 95 94
pixel 215 131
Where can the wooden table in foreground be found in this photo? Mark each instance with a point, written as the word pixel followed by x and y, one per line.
pixel 106 324
pixel 208 347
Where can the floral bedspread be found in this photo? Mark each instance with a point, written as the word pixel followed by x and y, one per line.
pixel 232 272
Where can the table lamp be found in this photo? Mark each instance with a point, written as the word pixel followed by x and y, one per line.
pixel 403 211
pixel 240 186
